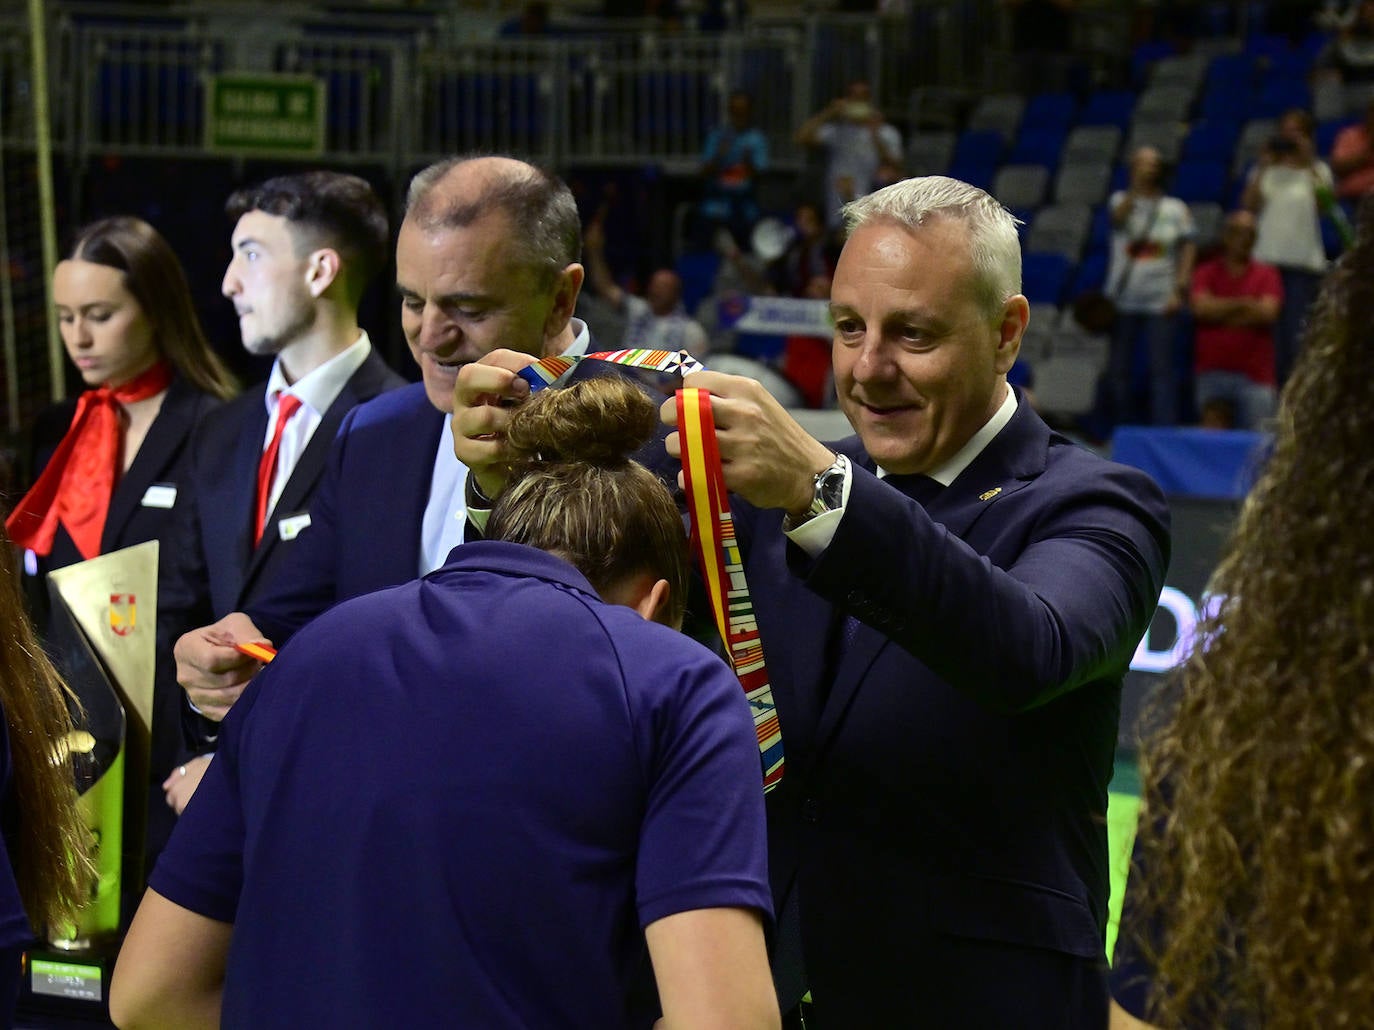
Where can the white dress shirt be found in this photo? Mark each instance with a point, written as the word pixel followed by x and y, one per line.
pixel 316 390
pixel 446 510
pixel 814 535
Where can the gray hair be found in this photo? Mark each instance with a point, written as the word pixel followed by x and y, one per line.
pixel 543 214
pixel 993 242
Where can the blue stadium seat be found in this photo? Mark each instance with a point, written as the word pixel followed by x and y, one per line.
pixel 1144 55
pixel 1050 111
pixel 1109 107
pixel 1038 147
pixel 1279 95
pixel 698 271
pixel 1044 277
pixel 1231 71
pixel 1227 100
pixel 1211 139
pixel 975 173
pixel 1091 274
pixel 1100 234
pixel 978 147
pixel 1196 181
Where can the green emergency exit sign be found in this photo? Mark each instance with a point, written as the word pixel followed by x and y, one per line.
pixel 269 115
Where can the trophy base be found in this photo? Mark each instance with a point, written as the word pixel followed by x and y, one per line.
pixel 67 985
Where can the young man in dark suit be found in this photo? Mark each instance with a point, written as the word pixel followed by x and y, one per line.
pixel 947 603
pixel 305 247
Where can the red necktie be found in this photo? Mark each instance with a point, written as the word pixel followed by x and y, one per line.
pixel 287 403
pixel 79 479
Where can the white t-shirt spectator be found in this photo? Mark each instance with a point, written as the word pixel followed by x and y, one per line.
pixel 1288 227
pixel 1143 269
pixel 675 331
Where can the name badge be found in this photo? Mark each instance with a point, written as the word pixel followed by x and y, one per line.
pixel 160 495
pixel 292 526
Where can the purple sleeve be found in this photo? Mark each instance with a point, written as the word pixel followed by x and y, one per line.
pixel 201 869
pixel 703 839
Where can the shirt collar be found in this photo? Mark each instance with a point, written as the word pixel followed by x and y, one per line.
pixel 321 386
pixel 948 471
pixel 582 339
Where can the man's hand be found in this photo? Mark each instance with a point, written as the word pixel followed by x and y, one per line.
pixel 483 396
pixel 768 459
pixel 183 781
pixel 210 670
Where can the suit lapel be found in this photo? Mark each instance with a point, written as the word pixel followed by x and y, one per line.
pixel 1009 463
pixel 158 452
pixel 369 380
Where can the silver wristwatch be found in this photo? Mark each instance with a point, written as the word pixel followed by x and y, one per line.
pixel 827 493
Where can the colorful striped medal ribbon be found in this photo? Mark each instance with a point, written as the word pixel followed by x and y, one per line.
pixel 713 534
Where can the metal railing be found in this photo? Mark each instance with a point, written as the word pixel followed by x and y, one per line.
pixel 405 87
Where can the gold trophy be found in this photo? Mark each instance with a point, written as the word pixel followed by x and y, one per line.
pixel 103 638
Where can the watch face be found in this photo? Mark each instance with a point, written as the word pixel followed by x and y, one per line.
pixel 830 488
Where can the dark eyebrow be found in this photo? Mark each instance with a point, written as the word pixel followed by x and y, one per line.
pixel 447 300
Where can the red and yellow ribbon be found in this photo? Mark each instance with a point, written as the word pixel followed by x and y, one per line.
pixel 713 536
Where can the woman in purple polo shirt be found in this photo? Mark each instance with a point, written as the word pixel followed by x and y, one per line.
pixel 484 798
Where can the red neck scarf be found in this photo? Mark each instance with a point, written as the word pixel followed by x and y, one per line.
pixel 76 487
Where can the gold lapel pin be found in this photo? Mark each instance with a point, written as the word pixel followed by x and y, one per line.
pixel 988 495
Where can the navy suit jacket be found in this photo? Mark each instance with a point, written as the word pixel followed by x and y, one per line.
pixel 215 567
pixel 367 516
pixel 942 816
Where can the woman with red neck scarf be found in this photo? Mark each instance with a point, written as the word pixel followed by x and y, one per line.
pixel 108 462
pixel 125 315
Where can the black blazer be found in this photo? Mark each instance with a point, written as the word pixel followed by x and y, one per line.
pixel 161 461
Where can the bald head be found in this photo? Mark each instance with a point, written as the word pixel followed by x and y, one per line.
pixel 664 292
pixel 1238 236
pixel 538 206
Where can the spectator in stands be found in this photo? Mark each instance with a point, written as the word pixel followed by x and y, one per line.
pixel 1352 158
pixel 1236 302
pixel 1249 898
pixel 1148 274
pixel 857 140
pixel 1288 189
pixel 734 155
pixel 657 320
pixel 1350 56
pixel 810 253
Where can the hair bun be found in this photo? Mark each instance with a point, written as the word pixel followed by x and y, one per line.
pixel 600 421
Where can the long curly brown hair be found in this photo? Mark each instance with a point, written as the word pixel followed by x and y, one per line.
pixel 1258 831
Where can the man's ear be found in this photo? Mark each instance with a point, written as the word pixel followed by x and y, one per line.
pixel 566 288
pixel 1015 316
pixel 323 268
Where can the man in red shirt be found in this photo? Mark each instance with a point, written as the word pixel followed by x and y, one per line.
pixel 1236 301
pixel 1352 158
